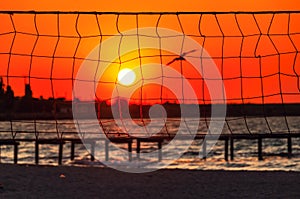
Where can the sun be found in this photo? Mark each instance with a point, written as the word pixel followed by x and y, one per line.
pixel 126 76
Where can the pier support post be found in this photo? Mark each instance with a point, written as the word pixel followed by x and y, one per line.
pixel 259 148
pixel 36 152
pixel 16 145
pixel 204 149
pixel 231 148
pixel 16 153
pixel 138 148
pixel 72 155
pixel 106 150
pixel 289 147
pixel 226 149
pixel 60 152
pixel 92 151
pixel 130 151
pixel 159 151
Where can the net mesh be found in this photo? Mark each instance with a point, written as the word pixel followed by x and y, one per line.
pixel 257 54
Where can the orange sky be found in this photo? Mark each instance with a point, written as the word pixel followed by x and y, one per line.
pixel 40 67
pixel 151 5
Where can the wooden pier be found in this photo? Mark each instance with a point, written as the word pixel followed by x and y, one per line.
pixel 228 139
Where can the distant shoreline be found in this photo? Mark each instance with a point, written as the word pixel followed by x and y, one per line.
pixel 173 111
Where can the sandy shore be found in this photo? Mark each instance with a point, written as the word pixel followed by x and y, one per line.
pixel 21 181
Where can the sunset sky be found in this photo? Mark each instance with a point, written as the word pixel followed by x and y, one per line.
pixel 36 51
pixel 151 5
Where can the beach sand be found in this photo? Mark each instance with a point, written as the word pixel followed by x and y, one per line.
pixel 29 181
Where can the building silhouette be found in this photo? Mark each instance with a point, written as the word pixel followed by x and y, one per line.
pixel 26 102
pixel 28 91
pixel 9 98
pixel 1 88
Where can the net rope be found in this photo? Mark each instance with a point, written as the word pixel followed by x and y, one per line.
pixel 257 54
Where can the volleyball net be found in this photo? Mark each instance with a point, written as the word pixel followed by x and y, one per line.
pixel 256 54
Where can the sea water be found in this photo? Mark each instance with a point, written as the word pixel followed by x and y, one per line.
pixel 245 151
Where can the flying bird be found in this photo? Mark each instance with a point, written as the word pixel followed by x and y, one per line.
pixel 181 57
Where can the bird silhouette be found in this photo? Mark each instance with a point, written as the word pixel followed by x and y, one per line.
pixel 181 57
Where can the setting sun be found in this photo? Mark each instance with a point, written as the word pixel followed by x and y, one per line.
pixel 126 76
